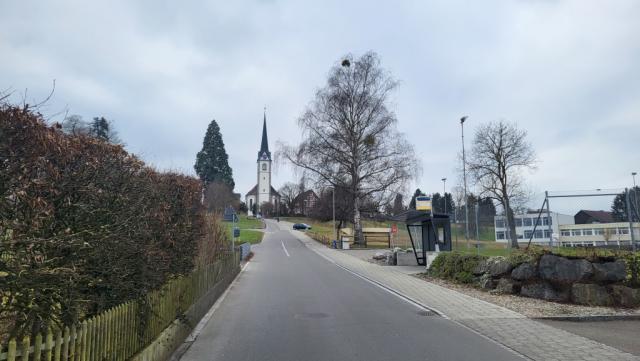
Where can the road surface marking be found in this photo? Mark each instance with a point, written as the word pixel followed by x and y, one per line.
pixel 285 249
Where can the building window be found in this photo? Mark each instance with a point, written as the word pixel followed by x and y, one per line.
pixel 527 234
pixel 547 234
pixel 500 235
pixel 546 221
pixel 519 236
pixel 538 233
pixel 527 222
pixel 565 233
pixel 518 222
pixel 599 231
pixel 500 223
pixel 576 232
pixel 587 232
pixel 623 231
pixel 264 166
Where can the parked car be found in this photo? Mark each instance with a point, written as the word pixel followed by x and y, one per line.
pixel 302 226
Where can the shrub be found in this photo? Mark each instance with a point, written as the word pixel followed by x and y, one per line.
pixel 84 225
pixel 455 266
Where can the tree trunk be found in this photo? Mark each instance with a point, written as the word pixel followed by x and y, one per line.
pixel 357 224
pixel 512 225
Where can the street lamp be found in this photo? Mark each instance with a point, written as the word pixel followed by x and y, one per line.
pixel 464 177
pixel 444 193
pixel 633 174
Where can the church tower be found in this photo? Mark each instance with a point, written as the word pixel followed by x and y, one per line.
pixel 263 192
pixel 264 167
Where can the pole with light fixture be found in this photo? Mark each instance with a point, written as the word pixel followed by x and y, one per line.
pixel 444 193
pixel 464 177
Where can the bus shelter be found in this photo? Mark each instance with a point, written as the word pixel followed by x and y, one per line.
pixel 428 232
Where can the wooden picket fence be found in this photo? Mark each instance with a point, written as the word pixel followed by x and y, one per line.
pixel 120 333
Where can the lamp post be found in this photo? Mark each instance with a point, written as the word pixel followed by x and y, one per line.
pixel 464 177
pixel 633 174
pixel 444 193
pixel 333 196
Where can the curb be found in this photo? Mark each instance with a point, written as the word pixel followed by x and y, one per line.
pixel 592 318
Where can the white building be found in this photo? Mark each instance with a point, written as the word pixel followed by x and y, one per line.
pixel 263 194
pixel 525 224
pixel 598 234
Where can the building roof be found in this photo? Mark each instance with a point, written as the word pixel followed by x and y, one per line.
pixel 305 195
pixel 598 216
pixel 264 153
pixel 254 191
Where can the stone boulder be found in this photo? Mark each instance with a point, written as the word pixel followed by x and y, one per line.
pixel 506 286
pixel 625 296
pixel 486 282
pixel 560 270
pixel 545 291
pixel 591 294
pixel 524 272
pixel 481 268
pixel 499 266
pixel 610 271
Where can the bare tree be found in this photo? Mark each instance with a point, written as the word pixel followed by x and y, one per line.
pixel 219 195
pixel 349 136
pixel 288 193
pixel 499 154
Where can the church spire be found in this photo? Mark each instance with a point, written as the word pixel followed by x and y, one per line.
pixel 264 153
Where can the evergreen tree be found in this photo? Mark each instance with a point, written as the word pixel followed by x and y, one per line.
pixel 212 161
pixel 398 205
pixel 417 193
pixel 619 206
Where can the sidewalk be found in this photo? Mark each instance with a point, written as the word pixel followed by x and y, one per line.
pixel 530 338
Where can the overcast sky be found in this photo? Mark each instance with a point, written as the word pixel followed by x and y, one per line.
pixel 566 71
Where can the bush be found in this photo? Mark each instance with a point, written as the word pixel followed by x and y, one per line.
pixel 455 266
pixel 84 225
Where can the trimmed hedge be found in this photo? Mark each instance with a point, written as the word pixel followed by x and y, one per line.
pixel 84 225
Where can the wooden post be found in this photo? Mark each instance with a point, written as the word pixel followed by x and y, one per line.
pixel 89 346
pixel 81 351
pixel 65 344
pixel 37 348
pixel 49 346
pixel 26 345
pixel 72 344
pixel 58 348
pixel 11 353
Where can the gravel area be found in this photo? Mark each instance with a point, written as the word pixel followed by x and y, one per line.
pixel 531 307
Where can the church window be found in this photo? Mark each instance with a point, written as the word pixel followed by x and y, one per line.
pixel 264 166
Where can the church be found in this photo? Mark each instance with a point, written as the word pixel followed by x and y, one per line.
pixel 263 199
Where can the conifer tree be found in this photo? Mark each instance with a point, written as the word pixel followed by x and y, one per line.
pixel 212 162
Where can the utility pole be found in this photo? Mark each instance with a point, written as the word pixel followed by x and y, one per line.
pixel 333 196
pixel 444 193
pixel 464 177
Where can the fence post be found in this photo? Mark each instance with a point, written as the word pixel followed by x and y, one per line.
pixel 11 353
pixel 26 344
pixel 49 346
pixel 58 347
pixel 37 348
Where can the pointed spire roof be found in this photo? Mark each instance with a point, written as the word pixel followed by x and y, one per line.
pixel 264 152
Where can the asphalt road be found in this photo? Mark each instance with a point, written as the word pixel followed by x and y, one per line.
pixel 292 304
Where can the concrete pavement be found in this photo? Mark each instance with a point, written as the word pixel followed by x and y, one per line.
pixel 291 304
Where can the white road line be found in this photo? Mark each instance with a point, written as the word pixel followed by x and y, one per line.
pixel 285 249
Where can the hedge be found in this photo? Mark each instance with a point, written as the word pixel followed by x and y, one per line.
pixel 84 225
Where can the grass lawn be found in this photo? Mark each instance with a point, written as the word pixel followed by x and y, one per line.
pixel 248 226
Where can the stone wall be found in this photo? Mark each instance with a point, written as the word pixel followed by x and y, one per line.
pixel 561 279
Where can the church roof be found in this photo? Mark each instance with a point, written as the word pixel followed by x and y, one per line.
pixel 254 191
pixel 264 152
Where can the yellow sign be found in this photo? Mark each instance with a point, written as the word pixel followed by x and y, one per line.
pixel 423 203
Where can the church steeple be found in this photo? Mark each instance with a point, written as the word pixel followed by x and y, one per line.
pixel 264 153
